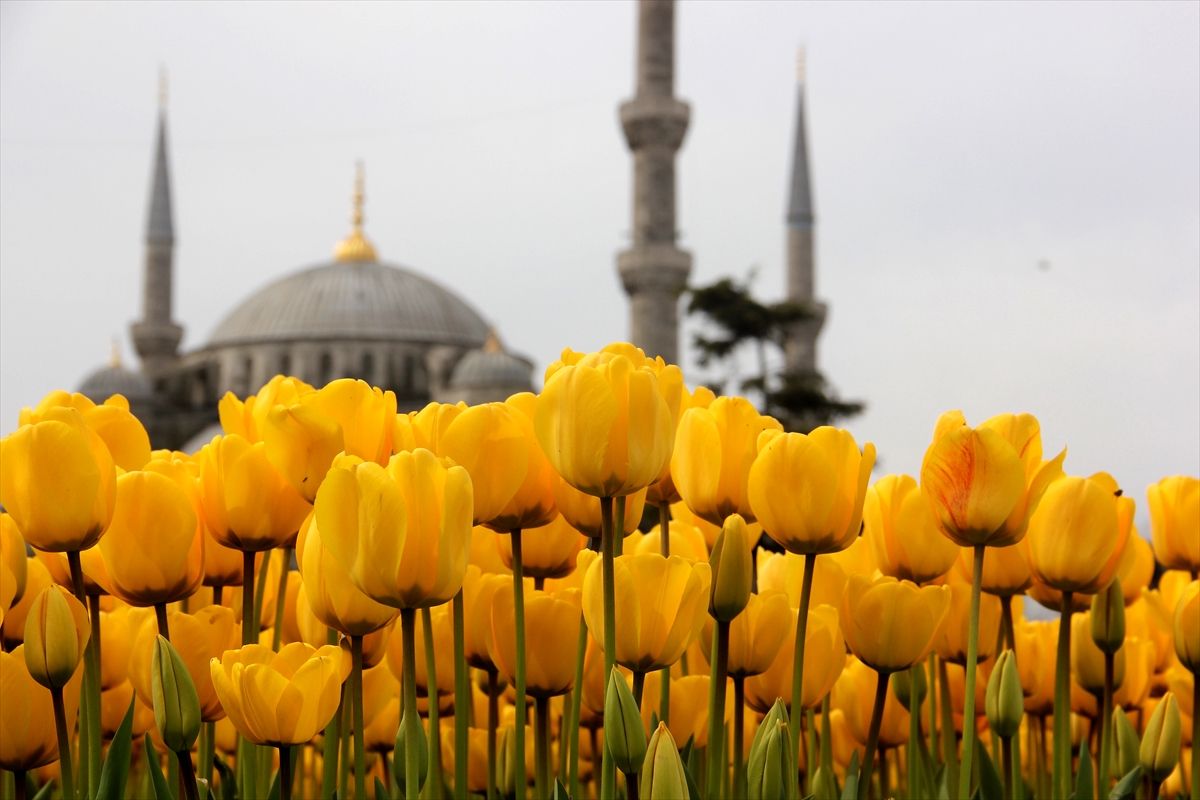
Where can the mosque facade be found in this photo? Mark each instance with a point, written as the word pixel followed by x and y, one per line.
pixel 361 317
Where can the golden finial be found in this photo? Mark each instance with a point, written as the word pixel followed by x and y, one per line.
pixel 801 71
pixel 162 88
pixel 492 343
pixel 114 358
pixel 355 247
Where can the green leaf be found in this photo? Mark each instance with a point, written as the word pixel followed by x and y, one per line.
pixel 1126 788
pixel 850 789
pixel 273 792
pixel 228 779
pixel 944 784
pixel 1083 781
pixel 161 790
pixel 560 791
pixel 693 791
pixel 381 793
pixel 990 785
pixel 45 792
pixel 116 766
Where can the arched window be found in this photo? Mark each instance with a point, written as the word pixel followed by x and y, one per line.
pixel 285 363
pixel 326 370
pixel 368 367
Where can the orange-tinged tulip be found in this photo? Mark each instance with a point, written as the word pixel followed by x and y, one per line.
pixel 58 482
pixel 198 638
pixel 824 658
pixel 1175 522
pixel 1186 628
pixel 807 491
pixel 892 624
pixel 443 649
pixel 784 572
pixel 479 591
pixel 854 694
pixel 403 533
pixel 550 620
pixel 279 698
pixel 56 631
pixel 661 603
pixel 154 548
pixel 608 429
pixel 1005 569
pixel 330 591
pixel 1078 534
pixel 951 643
pixel 582 511
pixel 714 449
pixel 12 562
pixel 548 551
pixel 247 503
pixel 27 735
pixel 122 433
pixel 903 533
pixel 13 624
pixel 248 418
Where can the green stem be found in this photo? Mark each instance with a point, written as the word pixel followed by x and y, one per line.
pixel 608 774
pixel 810 755
pixel 933 706
pixel 91 666
pixel 912 749
pixel 1062 706
pixel 433 787
pixel 493 720
pixel 1195 736
pixel 739 725
pixel 1011 776
pixel 187 776
pixel 204 758
pixel 577 708
pixel 868 764
pixel 826 759
pixel 541 736
pixel 66 772
pixel 964 775
pixel 716 709
pixel 356 699
pixel 1007 628
pixel 1106 724
pixel 949 736
pixel 248 633
pixel 412 719
pixel 281 600
pixel 639 687
pixel 462 698
pixel 285 774
pixel 331 739
pixel 810 564
pixel 160 615
pixel 519 612
pixel 19 785
pixel 664 528
pixel 664 534
pixel 345 734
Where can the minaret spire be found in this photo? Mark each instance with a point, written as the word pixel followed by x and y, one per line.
pixel 156 336
pixel 801 349
pixel 355 247
pixel 654 270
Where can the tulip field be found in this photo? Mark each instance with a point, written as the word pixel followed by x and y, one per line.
pixel 619 587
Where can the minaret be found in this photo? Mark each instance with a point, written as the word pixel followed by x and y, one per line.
pixel 155 336
pixel 801 350
pixel 355 248
pixel 654 270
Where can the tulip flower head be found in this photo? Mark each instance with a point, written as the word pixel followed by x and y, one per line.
pixel 1175 522
pixel 892 624
pixel 122 433
pixel 27 736
pixel 904 536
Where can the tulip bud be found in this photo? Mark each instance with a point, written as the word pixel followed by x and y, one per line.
pixel 176 702
pixel 1005 702
pixel 1125 740
pixel 769 771
pixel 623 731
pixel 1187 628
pixel 731 570
pixel 663 777
pixel 422 755
pixel 908 682
pixel 1160 742
pixel 56 631
pixel 1108 618
pixel 824 784
pixel 506 767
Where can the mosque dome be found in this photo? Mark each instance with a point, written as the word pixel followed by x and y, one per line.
pixel 116 378
pixel 490 367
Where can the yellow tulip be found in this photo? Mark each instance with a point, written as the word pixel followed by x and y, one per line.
pixel 154 548
pixel 381 709
pixel 892 624
pixel 608 429
pixel 663 490
pixel 1005 570
pixel 247 503
pixel 1139 671
pixel 27 735
pixel 903 533
pixel 58 482
pixel 485 551
pixel 120 430
pixel 550 620
pixel 117 629
pixel 984 483
pixel 661 602
pixel 1087 660
pixel 824 658
pixel 1078 534
pixel 807 491
pixel 479 591
pixel 330 591
pixel 56 631
pixel 582 511
pixel 685 539
pixel 198 638
pixel 1136 567
pixel 114 702
pixel 1175 522
pixel 1036 646
pixel 951 643
pixel 1149 618
pixel 714 449
pixel 689 706
pixel 364 413
pixel 300 442
pixel 443 650
pixel 548 551
pixel 1049 597
pixel 681 513
pixel 784 572
pixel 956 676
pixel 854 694
pixel 12 559
pixel 1187 628
pixel 279 698
pixel 403 533
pixel 248 418
pixel 13 625
pixel 532 505
pixel 477 759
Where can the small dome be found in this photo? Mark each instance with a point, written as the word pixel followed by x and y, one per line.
pixel 356 300
pixel 491 368
pixel 116 379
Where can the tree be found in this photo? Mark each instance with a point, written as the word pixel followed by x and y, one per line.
pixel 736 320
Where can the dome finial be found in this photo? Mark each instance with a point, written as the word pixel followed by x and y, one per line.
pixel 801 67
pixel 162 87
pixel 355 247
pixel 492 343
pixel 114 358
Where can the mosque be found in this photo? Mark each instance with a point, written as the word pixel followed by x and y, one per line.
pixel 396 328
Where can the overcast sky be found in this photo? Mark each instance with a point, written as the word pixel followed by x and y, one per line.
pixel 1007 195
